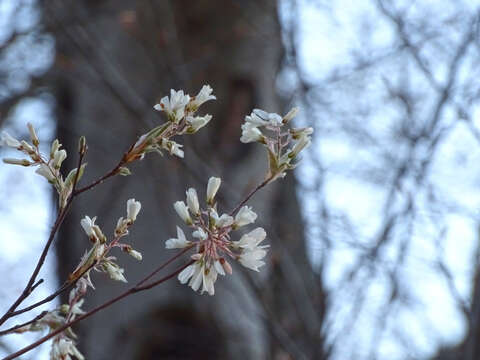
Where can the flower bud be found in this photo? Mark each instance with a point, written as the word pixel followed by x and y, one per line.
pixel 22 162
pixel 212 188
pixel 302 143
pixel 182 211
pixel 135 254
pixel 82 145
pixel 58 158
pixel 124 171
pixel 133 208
pixel 290 115
pixel 55 146
pixel 33 134
pixel 192 201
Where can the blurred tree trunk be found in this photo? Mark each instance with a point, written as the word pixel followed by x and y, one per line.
pixel 114 59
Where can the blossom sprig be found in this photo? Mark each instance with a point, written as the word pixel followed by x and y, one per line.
pixel 180 109
pixel 48 166
pixel 283 146
pixel 97 257
pixel 63 345
pixel 212 239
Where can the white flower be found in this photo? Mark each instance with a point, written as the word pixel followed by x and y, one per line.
pixel 245 216
pixel 45 171
pixel 175 106
pixel 192 201
pixel 114 271
pixel 290 115
pixel 250 133
pixel 7 140
pixel 198 274
pixel 200 234
pixel 87 225
pixel 179 242
pixel 273 119
pixel 197 122
pixel 212 188
pixel 63 348
pixel 252 239
pixel 254 120
pixel 133 208
pixel 182 211
pixel 252 258
pixel 203 96
pixel 58 158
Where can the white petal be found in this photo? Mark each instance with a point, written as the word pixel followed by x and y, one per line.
pixel 186 274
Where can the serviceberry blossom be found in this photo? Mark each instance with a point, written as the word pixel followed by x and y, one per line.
pixel 64 348
pixel 179 242
pixel 204 95
pixel 277 140
pixel 174 106
pixel 212 240
pixel 96 257
pixel 48 167
pixel 180 109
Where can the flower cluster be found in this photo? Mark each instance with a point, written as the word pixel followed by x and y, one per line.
pixel 212 239
pixel 63 345
pixel 180 110
pixel 96 257
pixel 49 167
pixel 275 139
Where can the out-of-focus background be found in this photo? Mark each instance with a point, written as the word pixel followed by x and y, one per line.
pixel 375 240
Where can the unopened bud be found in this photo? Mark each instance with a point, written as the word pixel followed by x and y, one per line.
pixel 124 171
pixel 58 158
pixel 55 146
pixel 135 254
pixel 22 162
pixel 27 147
pixel 82 145
pixel 290 115
pixel 33 135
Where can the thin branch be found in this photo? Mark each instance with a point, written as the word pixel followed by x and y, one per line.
pixel 135 289
pixel 13 328
pixel 260 186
